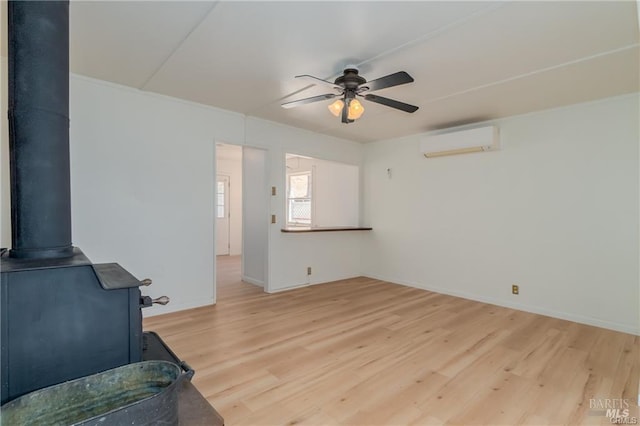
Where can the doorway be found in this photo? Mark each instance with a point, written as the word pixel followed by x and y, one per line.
pixel 228 217
pixel 241 209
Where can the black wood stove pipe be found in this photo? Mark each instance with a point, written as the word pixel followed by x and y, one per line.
pixel 39 129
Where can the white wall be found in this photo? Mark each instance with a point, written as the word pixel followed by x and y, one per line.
pixel 232 167
pixel 556 211
pixel 255 218
pixel 298 164
pixel 142 191
pixel 336 194
pixel 142 184
pixel 332 255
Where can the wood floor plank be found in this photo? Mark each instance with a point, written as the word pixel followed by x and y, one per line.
pixel 367 352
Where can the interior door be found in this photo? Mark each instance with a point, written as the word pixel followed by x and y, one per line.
pixel 222 215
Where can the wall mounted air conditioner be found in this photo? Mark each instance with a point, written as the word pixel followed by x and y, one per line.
pixel 474 140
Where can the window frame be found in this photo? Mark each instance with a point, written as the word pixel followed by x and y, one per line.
pixel 309 197
pixel 225 197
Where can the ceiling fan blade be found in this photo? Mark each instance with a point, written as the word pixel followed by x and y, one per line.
pixel 309 100
pixel 390 80
pixel 391 103
pixel 318 81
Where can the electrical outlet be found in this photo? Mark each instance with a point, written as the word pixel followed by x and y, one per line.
pixel 515 289
pixel 308 270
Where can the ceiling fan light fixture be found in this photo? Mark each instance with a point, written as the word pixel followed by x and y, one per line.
pixel 349 85
pixel 336 107
pixel 355 110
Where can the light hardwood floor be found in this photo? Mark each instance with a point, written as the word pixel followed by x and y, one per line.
pixel 367 352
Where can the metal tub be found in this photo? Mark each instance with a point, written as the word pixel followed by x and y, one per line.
pixel 143 393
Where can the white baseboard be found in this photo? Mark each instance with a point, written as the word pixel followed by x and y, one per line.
pixel 252 281
pixel 293 287
pixel 625 328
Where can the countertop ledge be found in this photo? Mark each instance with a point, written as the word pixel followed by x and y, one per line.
pixel 327 229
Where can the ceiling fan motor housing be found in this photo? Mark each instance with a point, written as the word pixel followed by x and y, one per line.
pixel 350 79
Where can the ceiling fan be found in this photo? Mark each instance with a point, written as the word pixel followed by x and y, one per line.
pixel 349 87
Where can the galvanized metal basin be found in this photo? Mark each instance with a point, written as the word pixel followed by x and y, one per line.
pixel 143 393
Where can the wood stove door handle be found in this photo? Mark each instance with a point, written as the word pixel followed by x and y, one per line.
pixel 162 300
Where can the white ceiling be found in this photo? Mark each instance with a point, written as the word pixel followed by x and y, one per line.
pixel 471 61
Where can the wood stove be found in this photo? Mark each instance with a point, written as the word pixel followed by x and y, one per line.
pixel 61 316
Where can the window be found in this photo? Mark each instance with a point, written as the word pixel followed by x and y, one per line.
pixel 321 193
pixel 220 200
pixel 299 199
